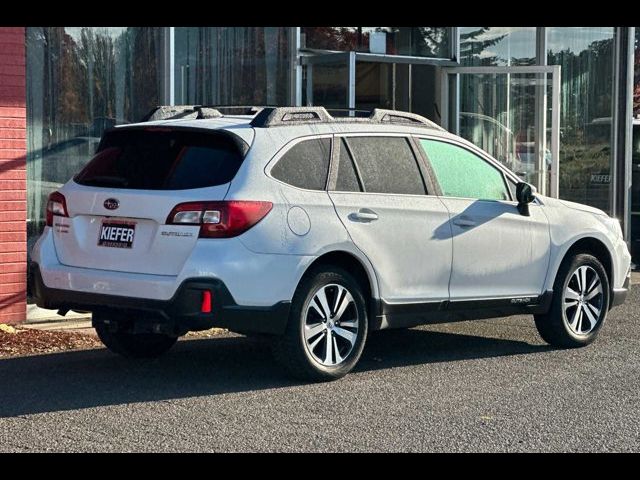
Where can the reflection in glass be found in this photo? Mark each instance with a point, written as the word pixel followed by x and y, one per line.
pixel 329 83
pixel 411 41
pixel 497 113
pixel 497 46
pixel 586 57
pixel 232 65
pixel 374 85
pixel 635 193
pixel 635 159
pixel 80 81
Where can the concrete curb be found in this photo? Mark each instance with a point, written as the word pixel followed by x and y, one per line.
pixel 36 314
pixel 75 324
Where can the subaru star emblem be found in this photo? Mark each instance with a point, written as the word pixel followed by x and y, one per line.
pixel 111 203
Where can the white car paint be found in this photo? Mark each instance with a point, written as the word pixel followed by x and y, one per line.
pixel 76 237
pixel 411 258
pixel 497 252
pixel 569 224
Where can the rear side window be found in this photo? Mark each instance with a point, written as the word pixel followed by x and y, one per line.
pixel 162 160
pixel 387 165
pixel 463 174
pixel 347 180
pixel 305 165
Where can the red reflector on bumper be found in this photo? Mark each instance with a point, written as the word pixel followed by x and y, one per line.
pixel 206 302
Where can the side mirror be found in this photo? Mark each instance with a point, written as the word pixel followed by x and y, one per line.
pixel 525 195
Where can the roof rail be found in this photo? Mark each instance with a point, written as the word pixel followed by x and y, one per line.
pixel 169 112
pixel 395 116
pixel 268 116
pixel 175 112
pixel 239 109
pixel 278 116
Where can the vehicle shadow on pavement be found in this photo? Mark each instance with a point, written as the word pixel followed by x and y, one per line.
pixel 226 364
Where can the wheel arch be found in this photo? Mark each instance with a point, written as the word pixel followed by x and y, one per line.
pixel 595 247
pixel 356 266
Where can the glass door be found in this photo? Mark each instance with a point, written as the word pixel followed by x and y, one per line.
pixel 329 80
pixel 510 112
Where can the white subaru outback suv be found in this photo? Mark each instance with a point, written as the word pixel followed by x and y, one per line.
pixel 315 230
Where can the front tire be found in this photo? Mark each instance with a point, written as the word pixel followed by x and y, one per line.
pixel 327 326
pixel 130 345
pixel 580 303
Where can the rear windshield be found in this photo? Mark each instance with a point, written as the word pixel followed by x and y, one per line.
pixel 158 159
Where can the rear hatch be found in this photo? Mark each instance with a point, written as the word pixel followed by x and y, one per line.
pixel 119 203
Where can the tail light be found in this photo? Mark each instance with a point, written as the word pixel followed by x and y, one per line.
pixel 220 219
pixel 56 205
pixel 206 302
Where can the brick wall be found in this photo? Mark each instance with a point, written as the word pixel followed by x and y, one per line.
pixel 13 178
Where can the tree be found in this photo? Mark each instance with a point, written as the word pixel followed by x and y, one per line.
pixel 474 46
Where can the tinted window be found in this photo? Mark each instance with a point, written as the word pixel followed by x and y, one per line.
pixel 387 165
pixel 462 173
pixel 347 180
pixel 161 160
pixel 305 165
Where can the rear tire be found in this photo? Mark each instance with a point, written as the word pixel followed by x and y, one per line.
pixel 328 306
pixel 138 345
pixel 580 303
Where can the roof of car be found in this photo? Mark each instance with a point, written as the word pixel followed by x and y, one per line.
pixel 200 116
pixel 283 124
pixel 328 123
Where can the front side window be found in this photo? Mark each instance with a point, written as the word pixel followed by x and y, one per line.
pixel 305 165
pixel 463 174
pixel 387 165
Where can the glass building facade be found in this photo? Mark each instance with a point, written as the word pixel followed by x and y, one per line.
pixel 541 100
pixel 232 66
pixel 80 82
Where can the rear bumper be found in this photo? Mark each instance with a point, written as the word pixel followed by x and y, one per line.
pixel 619 295
pixel 179 314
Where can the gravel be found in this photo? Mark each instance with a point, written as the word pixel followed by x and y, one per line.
pixel 28 341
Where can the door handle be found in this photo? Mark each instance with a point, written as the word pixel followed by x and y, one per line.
pixel 363 215
pixel 462 222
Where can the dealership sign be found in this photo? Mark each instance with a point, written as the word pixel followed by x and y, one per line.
pixel 600 178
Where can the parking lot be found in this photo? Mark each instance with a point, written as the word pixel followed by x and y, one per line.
pixel 472 386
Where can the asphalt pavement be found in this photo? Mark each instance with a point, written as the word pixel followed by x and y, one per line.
pixel 489 385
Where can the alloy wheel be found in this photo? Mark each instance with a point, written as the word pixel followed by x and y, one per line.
pixel 331 325
pixel 582 302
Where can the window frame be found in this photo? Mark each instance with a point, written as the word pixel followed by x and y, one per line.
pixel 417 156
pixel 338 142
pixel 506 174
pixel 288 146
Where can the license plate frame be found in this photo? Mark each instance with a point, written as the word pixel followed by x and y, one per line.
pixel 116 233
